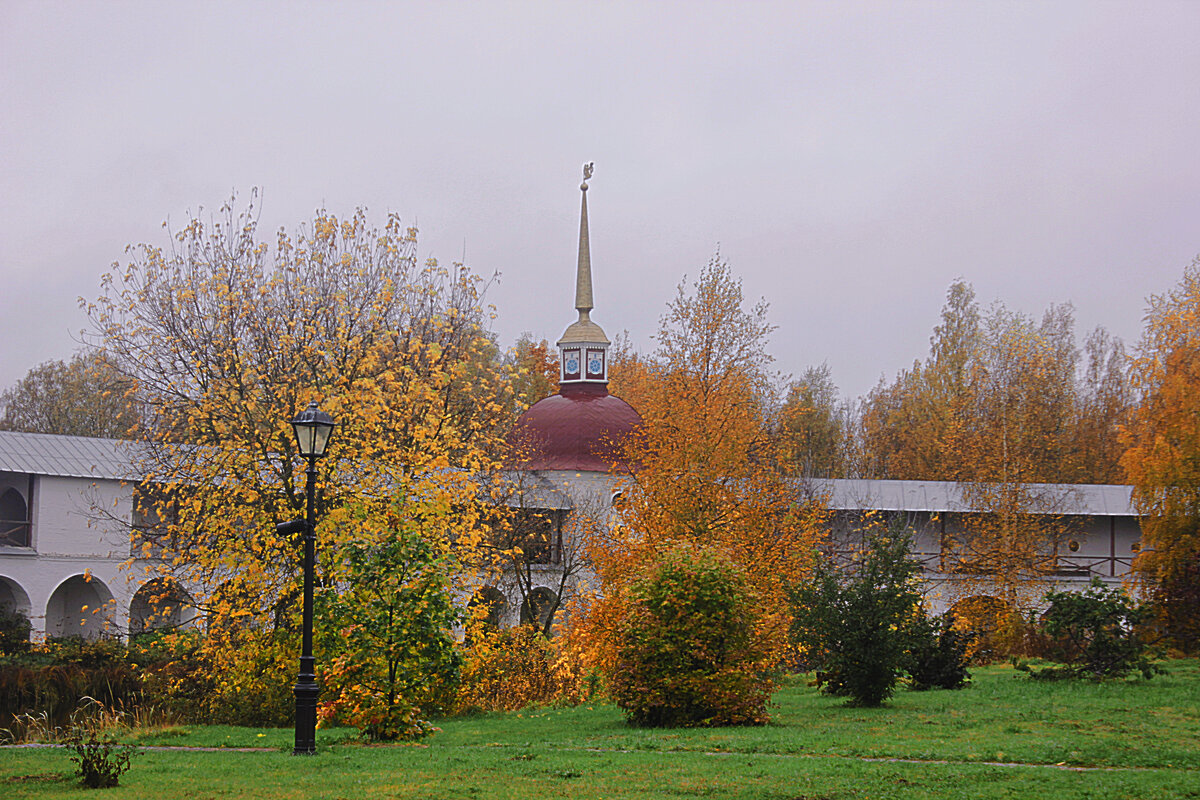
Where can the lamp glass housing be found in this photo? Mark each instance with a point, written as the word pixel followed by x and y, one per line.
pixel 313 428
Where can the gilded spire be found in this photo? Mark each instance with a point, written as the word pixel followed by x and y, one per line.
pixel 583 273
pixel 583 329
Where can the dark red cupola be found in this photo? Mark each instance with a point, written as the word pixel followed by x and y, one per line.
pixel 583 426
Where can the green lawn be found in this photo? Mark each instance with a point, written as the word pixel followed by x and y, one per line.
pixel 1136 739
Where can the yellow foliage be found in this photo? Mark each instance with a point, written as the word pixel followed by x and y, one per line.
pixel 505 670
pixel 227 339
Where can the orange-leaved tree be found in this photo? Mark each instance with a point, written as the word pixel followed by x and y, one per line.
pixel 534 370
pixel 1163 456
pixel 706 468
pixel 226 338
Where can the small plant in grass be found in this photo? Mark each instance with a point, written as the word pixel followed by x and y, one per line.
pixel 855 624
pixel 692 652
pixel 99 759
pixel 938 653
pixel 1094 634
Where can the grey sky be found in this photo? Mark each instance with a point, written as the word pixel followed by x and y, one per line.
pixel 851 160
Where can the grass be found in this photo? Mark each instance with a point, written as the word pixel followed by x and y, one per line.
pixel 1134 740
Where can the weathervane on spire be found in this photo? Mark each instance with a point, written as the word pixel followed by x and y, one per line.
pixel 587 174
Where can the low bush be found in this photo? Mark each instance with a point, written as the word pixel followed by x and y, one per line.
pixel 1094 634
pixel 937 657
pixel 99 759
pixel 693 650
pixel 505 670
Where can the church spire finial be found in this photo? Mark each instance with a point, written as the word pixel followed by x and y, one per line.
pixel 583 348
pixel 583 273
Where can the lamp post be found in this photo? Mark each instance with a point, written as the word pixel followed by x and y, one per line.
pixel 313 428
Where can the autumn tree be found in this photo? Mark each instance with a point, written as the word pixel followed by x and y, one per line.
pixel 1002 407
pixel 1105 402
pixel 707 469
pixel 534 370
pixel 912 428
pixel 930 423
pixel 1014 446
pixel 81 397
pixel 226 337
pixel 812 426
pixel 1163 456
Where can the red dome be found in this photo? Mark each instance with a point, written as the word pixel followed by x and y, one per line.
pixel 578 429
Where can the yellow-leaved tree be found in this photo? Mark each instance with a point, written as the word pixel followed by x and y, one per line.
pixel 226 338
pixel 1001 408
pixel 1163 456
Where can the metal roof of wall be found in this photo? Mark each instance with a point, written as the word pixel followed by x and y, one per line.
pixel 66 456
pixel 84 457
pixel 947 496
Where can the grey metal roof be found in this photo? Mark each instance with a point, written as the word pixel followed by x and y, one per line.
pixel 947 496
pixel 83 457
pixel 66 456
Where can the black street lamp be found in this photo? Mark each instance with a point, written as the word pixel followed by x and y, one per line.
pixel 313 428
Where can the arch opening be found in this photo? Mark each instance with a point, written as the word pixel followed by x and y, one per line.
pixel 539 607
pixel 14 519
pixel 82 605
pixel 487 607
pixel 158 605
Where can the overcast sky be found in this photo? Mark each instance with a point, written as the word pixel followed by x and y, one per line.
pixel 849 160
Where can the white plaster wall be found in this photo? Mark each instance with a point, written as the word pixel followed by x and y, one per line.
pixel 590 495
pixel 70 538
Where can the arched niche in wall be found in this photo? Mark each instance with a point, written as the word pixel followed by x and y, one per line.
pixel 13 596
pixel 82 605
pixel 14 519
pixel 14 600
pixel 158 604
pixel 539 607
pixel 488 607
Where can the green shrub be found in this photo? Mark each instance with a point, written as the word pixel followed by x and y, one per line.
pixel 691 652
pixel 937 656
pixel 391 624
pixel 855 624
pixel 14 632
pixel 1094 634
